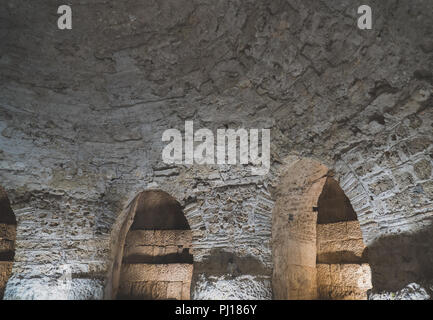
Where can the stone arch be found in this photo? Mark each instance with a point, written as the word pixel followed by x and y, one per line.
pixel 317 245
pixel 151 250
pixel 8 225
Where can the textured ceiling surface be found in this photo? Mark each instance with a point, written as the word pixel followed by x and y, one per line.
pixel 82 113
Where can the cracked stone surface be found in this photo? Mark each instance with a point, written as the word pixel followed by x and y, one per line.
pixel 82 114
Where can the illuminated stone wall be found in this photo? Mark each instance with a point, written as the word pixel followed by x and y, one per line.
pixel 5 273
pixel 82 114
pixel 294 230
pixel 156 265
pixel 343 271
pixel 343 281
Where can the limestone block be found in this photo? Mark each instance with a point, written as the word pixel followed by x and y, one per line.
pixel 323 275
pixel 138 250
pixel 186 290
pixel 183 237
pixel 139 238
pixel 346 275
pixel 335 274
pixel 158 251
pixel 171 249
pixel 142 290
pixel 364 280
pixel 158 237
pixel 8 231
pixel 301 279
pixel 351 275
pixel 345 251
pixel 159 290
pixel 155 290
pixel 5 273
pixel 38 257
pixel 341 293
pixel 156 272
pixel 353 230
pixel 324 292
pixel 178 237
pixel 331 231
pixel 6 245
pixel 339 231
pixel 174 290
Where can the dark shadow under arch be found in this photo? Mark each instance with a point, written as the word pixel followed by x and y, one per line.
pixel 333 204
pixel 398 260
pixel 157 210
pixel 8 225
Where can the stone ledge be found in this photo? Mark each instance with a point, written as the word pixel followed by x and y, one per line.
pixel 156 272
pixel 159 237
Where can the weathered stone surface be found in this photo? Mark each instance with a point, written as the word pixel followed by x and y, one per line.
pixel 294 230
pixel 159 237
pixel 245 287
pixel 5 273
pixel 412 291
pixel 423 169
pixel 156 272
pixel 340 242
pixel 82 114
pixel 342 251
pixel 174 291
pixel 382 185
pixel 343 281
pixel 47 289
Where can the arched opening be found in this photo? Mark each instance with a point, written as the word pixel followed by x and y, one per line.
pixel 156 260
pixel 317 245
pixel 342 266
pixel 8 226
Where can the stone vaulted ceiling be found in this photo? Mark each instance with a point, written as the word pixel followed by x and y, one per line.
pixel 82 114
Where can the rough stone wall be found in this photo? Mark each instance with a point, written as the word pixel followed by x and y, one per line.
pixel 82 114
pixel 343 281
pixel 156 265
pixel 156 281
pixel 340 242
pixel 343 271
pixel 157 245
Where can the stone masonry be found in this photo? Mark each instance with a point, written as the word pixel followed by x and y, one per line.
pixel 82 113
